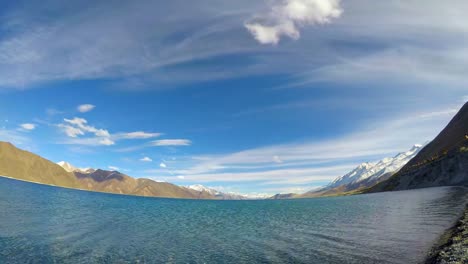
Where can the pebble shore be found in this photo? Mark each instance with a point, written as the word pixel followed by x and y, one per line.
pixel 453 248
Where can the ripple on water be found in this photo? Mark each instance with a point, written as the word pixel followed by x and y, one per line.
pixel 68 226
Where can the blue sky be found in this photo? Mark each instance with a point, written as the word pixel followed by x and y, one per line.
pixel 245 96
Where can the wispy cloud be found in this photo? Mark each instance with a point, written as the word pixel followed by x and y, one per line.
pixel 14 137
pixel 137 56
pixel 81 125
pixel 411 65
pixel 287 16
pixel 53 112
pixel 85 108
pixel 171 142
pixel 77 127
pixel 137 135
pixel 315 163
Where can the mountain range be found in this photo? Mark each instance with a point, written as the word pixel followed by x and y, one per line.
pixel 217 194
pixel 23 165
pixel 365 175
pixel 70 168
pixel 442 162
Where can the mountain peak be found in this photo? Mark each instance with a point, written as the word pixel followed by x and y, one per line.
pixel 442 162
pixel 66 166
pixel 373 171
pixel 70 168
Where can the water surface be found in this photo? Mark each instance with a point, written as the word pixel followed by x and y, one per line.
pixel 44 224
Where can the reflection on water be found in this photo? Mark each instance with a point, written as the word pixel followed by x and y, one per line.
pixel 42 224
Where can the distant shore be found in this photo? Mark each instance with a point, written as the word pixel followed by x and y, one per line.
pixel 452 246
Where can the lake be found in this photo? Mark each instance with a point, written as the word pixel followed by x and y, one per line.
pixel 45 224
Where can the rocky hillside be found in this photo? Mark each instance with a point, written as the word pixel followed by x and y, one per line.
pixel 443 162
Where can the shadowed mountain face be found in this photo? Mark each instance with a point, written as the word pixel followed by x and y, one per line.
pixel 101 175
pixel 23 165
pixel 284 196
pixel 443 162
pixel 453 136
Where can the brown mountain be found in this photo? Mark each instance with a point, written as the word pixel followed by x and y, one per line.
pixel 443 162
pixel 116 182
pixel 23 165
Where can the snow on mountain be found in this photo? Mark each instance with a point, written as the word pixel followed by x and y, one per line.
pixel 375 170
pixel 67 166
pixel 255 196
pixel 228 195
pixel 201 188
pixel 70 168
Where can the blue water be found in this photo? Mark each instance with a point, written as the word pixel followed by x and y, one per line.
pixel 43 224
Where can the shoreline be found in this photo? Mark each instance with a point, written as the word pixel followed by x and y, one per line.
pixel 123 194
pixel 452 246
pixel 92 191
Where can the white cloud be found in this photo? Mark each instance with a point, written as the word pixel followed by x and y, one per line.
pixel 181 177
pixel 272 34
pixel 146 159
pixel 113 168
pixel 76 127
pixel 71 131
pixel 162 165
pixel 286 17
pixel 171 142
pixel 85 108
pixel 277 159
pixel 81 124
pixel 28 126
pixel 106 142
pixel 368 27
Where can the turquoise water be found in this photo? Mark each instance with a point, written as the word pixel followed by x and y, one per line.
pixel 43 224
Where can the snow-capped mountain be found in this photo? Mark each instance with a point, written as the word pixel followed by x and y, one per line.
pixel 70 168
pixel 227 195
pixel 374 171
pixel 201 188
